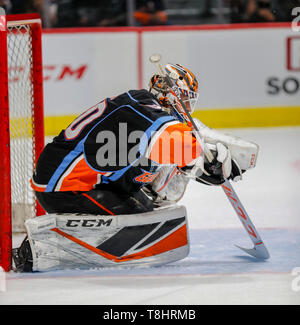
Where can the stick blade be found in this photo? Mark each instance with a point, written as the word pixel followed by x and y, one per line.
pixel 259 252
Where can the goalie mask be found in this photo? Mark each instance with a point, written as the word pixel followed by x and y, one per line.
pixel 185 86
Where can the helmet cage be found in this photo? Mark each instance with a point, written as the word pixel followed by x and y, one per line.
pixel 185 87
pixel 188 97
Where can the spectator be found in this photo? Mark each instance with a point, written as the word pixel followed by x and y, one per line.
pixel 86 11
pixel 77 13
pixel 150 12
pixel 207 9
pixel 114 13
pixel 29 6
pixel 259 11
pixel 237 10
pixel 111 13
pixel 6 5
pixel 66 14
pixel 251 11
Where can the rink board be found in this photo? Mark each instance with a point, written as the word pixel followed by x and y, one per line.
pixel 249 74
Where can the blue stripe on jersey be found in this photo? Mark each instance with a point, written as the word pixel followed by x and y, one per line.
pixel 76 152
pixel 144 116
pixel 64 165
pixel 143 144
pixel 132 97
pixel 149 132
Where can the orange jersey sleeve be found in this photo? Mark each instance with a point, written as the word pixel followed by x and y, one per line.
pixel 174 144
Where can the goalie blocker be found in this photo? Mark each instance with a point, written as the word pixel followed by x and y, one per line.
pixel 71 241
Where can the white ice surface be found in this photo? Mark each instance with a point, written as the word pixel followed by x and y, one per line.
pixel 215 272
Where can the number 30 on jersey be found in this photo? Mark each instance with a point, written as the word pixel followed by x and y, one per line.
pixel 87 117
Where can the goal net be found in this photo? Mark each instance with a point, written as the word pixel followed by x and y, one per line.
pixel 22 130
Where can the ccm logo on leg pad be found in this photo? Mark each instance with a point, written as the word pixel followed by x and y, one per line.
pixel 88 223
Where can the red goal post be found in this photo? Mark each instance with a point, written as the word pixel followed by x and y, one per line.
pixel 22 123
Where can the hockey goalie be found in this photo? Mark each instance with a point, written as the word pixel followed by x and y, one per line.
pixel 112 180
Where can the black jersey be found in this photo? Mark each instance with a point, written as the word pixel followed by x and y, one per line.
pixel 106 144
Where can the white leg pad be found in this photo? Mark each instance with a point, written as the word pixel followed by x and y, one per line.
pixel 69 241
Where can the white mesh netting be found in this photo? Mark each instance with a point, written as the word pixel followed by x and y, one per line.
pixel 21 123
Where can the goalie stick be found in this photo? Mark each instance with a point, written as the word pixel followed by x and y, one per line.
pixel 259 250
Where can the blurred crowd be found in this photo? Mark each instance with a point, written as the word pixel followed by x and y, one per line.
pixel 253 11
pixel 87 13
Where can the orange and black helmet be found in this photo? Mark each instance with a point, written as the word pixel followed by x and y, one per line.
pixel 183 77
pixel 185 85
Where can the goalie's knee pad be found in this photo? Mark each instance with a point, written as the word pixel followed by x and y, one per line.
pixel 89 241
pixel 100 201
